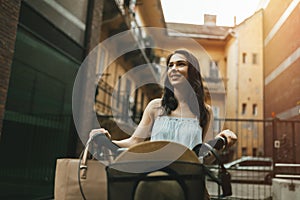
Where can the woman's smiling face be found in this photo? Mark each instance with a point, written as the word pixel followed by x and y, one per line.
pixel 177 69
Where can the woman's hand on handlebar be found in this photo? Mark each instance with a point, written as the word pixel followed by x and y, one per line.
pixel 229 135
pixel 101 131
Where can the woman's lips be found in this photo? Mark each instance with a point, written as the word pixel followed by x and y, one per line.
pixel 174 76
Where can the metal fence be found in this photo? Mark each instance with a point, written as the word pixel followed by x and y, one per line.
pixel 241 191
pixel 30 145
pixel 250 134
pixel 273 139
pixel 286 147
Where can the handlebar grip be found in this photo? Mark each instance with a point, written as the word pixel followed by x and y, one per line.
pixel 218 143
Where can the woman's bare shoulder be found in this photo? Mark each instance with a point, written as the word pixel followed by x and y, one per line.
pixel 155 102
pixel 154 107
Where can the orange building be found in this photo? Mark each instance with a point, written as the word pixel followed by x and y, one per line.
pixel 282 59
pixel 282 79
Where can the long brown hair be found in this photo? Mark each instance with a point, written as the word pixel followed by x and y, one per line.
pixel 169 101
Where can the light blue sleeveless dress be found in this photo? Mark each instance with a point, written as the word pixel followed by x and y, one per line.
pixel 186 131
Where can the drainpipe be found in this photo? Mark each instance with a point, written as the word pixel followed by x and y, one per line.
pixel 237 77
pixel 236 46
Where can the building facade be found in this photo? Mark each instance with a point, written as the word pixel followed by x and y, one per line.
pixel 44 45
pixel 282 79
pixel 251 71
pixel 281 59
pixel 46 50
pixel 244 55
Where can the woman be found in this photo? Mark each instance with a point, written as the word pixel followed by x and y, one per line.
pixel 181 115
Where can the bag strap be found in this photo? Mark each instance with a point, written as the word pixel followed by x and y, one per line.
pixel 83 158
pixel 83 162
pixel 82 168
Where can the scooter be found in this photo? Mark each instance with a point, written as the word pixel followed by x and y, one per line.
pixel 157 169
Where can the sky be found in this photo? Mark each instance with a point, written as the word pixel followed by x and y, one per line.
pixel 192 11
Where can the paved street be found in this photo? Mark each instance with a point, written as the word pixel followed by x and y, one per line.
pixel 243 191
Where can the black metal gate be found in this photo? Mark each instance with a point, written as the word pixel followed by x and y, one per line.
pixel 286 149
pixel 272 138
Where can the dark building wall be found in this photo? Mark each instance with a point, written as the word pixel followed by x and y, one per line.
pixel 38 64
pixel 94 24
pixel 9 14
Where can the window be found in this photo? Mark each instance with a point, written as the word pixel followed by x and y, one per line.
pixel 244 57
pixel 216 114
pixel 244 107
pixel 254 151
pixel 254 58
pixel 70 18
pixel 126 101
pixel 101 62
pixel 119 91
pixel 255 163
pixel 213 69
pixel 254 109
pixel 37 88
pixel 244 151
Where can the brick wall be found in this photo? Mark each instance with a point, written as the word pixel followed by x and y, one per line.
pixel 9 16
pixel 281 59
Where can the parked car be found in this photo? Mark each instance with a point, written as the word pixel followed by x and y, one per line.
pixel 249 170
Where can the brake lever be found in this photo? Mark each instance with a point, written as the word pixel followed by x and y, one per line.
pixel 205 150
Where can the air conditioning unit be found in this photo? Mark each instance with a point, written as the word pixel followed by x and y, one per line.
pixel 285 189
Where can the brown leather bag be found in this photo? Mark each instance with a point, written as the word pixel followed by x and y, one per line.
pixel 76 182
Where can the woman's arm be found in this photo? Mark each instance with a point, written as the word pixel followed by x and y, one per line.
pixel 230 137
pixel 143 130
